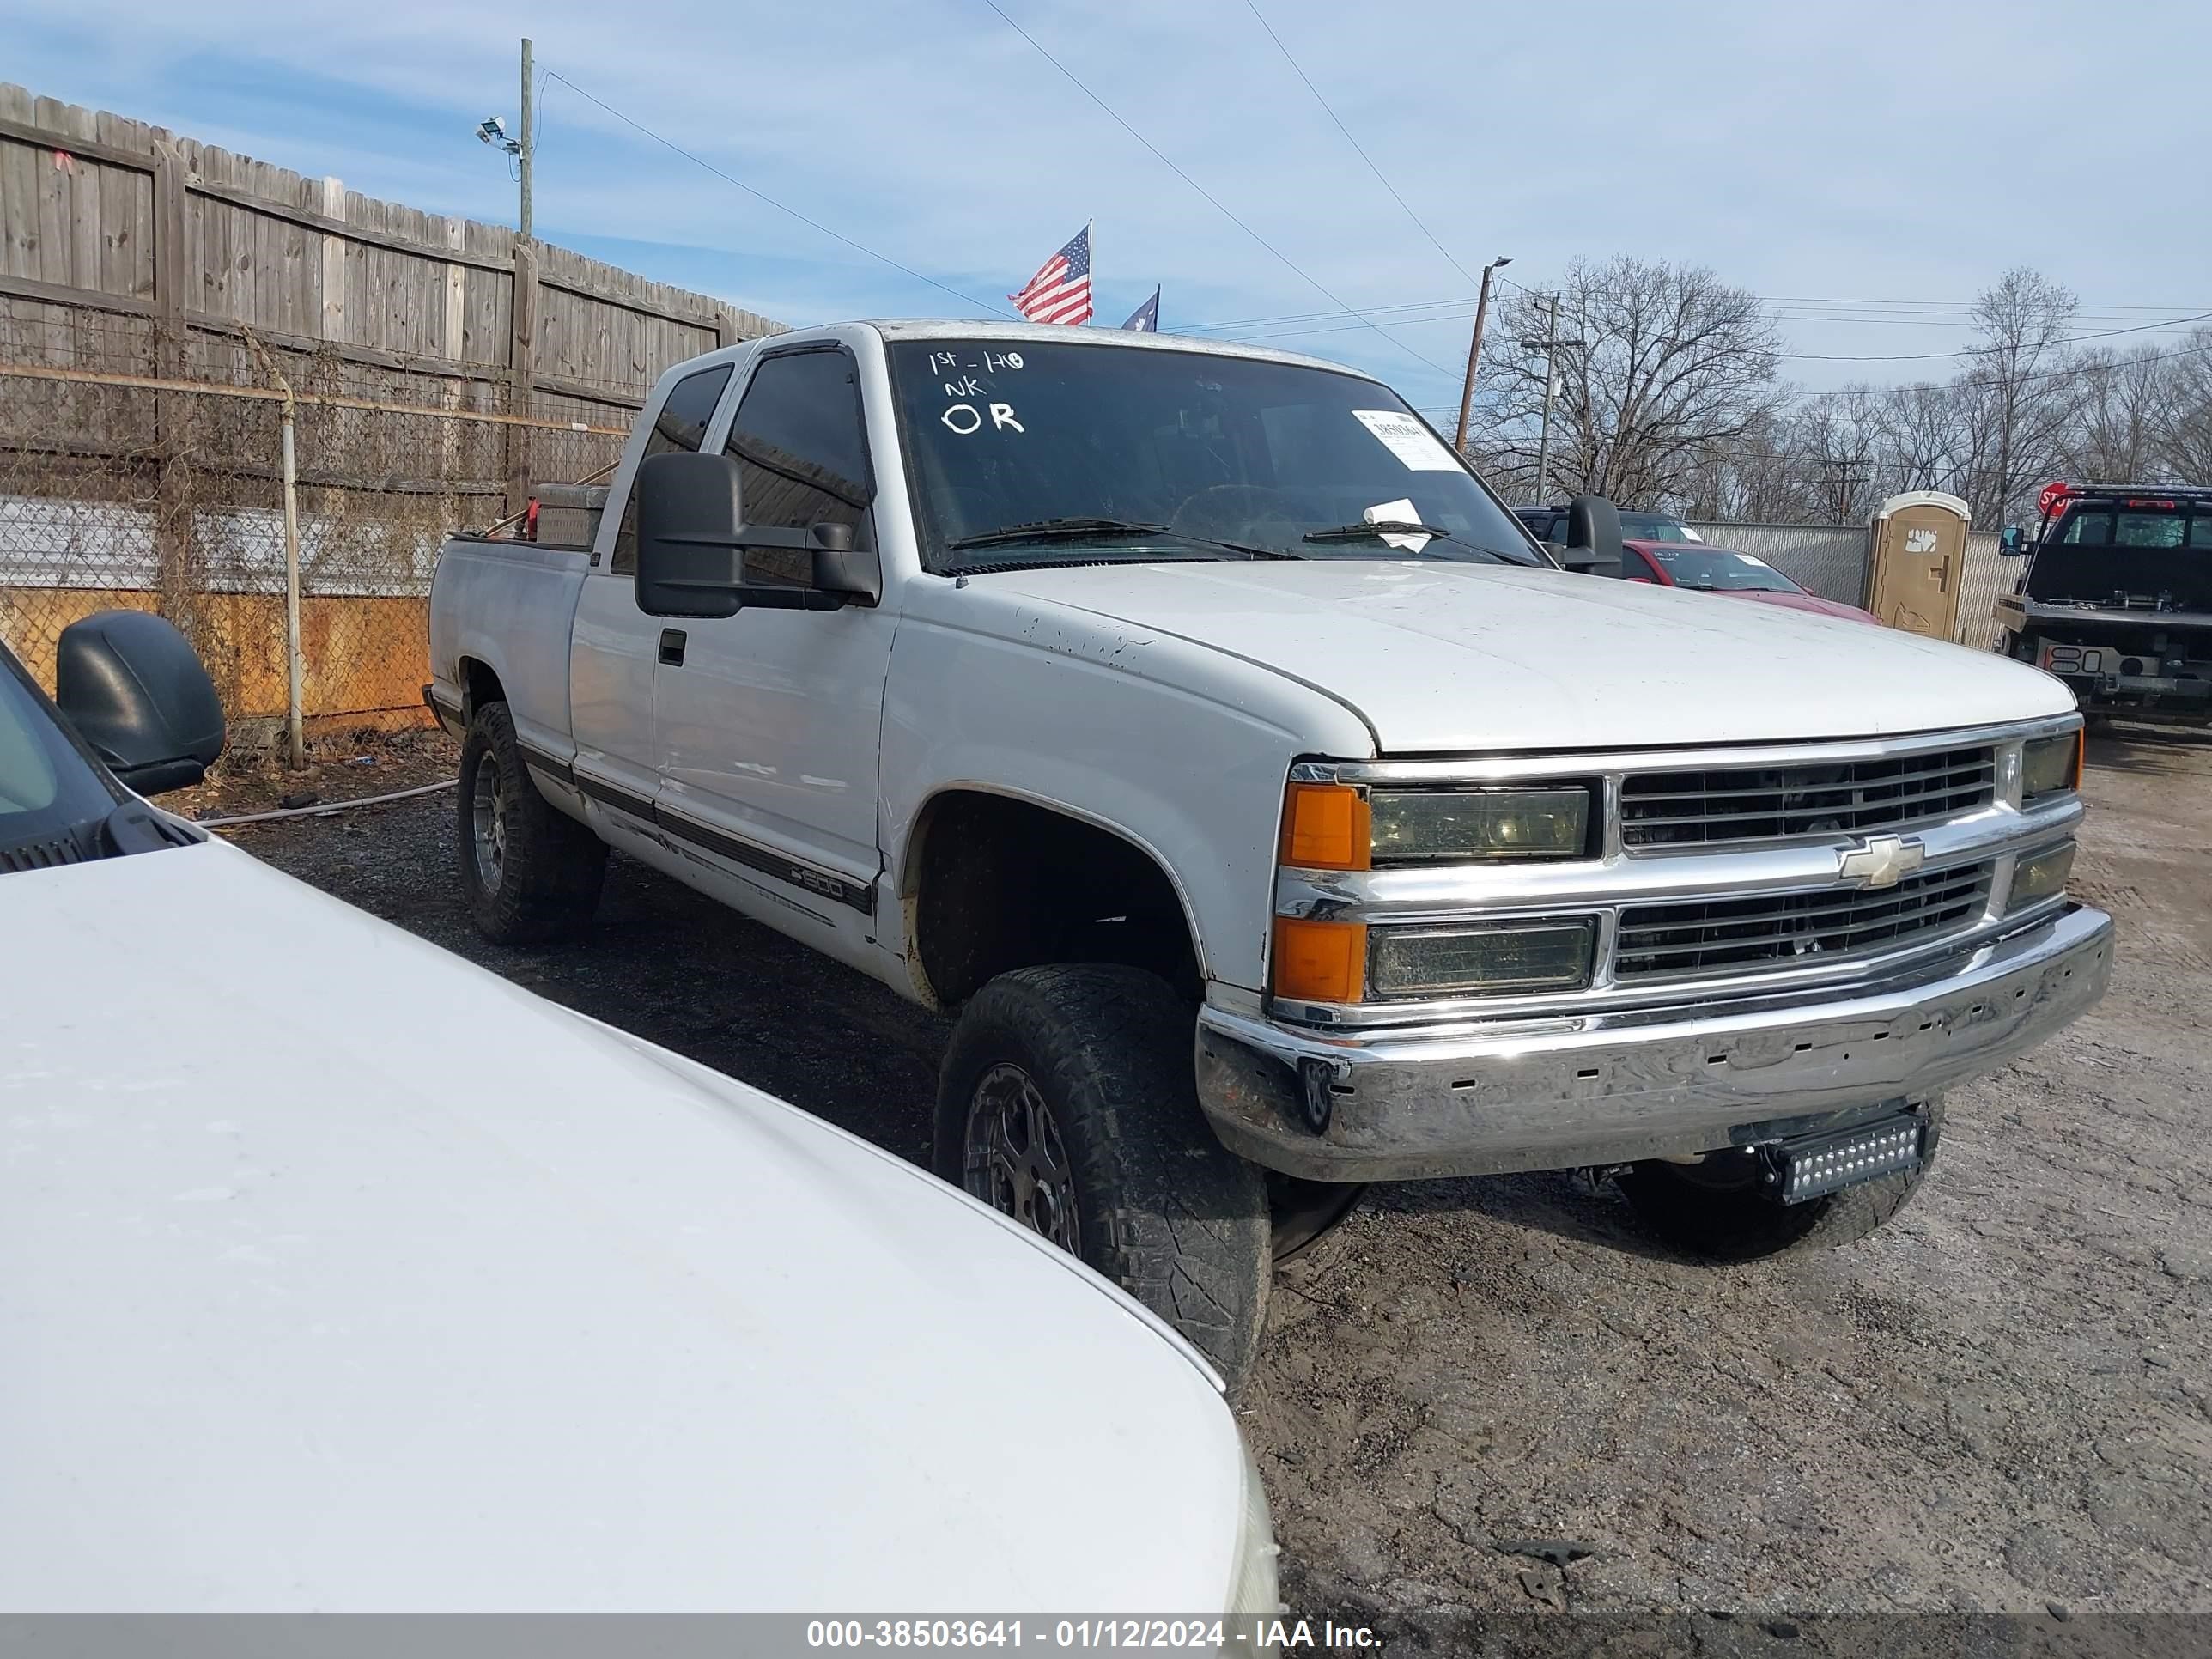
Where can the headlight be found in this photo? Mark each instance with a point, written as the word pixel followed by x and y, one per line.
pixel 1479 823
pixel 1480 958
pixel 2040 875
pixel 1253 1593
pixel 2049 765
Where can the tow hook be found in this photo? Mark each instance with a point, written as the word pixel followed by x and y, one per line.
pixel 1595 1178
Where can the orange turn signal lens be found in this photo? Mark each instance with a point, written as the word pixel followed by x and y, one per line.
pixel 1320 961
pixel 1325 827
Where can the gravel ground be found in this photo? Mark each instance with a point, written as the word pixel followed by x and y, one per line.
pixel 2002 1402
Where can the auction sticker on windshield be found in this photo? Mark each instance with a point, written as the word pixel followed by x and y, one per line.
pixel 1407 439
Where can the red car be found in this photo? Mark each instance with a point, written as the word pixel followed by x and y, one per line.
pixel 1717 570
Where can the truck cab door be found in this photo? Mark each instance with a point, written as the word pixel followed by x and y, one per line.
pixel 769 722
pixel 613 649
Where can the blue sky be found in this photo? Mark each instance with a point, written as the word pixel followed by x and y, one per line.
pixel 1899 153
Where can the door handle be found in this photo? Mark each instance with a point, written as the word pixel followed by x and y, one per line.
pixel 671 647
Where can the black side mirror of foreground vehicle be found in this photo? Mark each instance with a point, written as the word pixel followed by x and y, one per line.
pixel 1593 537
pixel 132 686
pixel 2011 541
pixel 692 543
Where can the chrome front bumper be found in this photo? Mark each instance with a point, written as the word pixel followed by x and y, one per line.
pixel 1476 1098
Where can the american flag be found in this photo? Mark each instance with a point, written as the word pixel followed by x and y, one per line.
pixel 1060 291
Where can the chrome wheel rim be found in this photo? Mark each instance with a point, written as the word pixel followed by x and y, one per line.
pixel 487 824
pixel 1016 1160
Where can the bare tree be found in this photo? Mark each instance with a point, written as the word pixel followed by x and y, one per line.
pixel 1668 396
pixel 2185 445
pixel 1923 436
pixel 1839 443
pixel 1748 480
pixel 2016 399
pixel 1659 366
pixel 2121 405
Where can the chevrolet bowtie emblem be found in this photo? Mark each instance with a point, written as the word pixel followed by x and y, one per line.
pixel 1882 861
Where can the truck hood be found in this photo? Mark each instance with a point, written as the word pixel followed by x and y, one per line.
pixel 1439 658
pixel 345 1276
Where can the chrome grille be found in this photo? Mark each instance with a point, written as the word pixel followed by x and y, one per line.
pixel 1776 802
pixel 1800 930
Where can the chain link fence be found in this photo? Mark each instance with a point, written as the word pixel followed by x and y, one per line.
pixel 146 471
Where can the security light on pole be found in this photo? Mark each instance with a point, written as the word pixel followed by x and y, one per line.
pixel 492 130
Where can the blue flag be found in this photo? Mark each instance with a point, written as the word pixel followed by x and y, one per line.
pixel 1146 317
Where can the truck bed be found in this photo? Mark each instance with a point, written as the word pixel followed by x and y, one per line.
pixel 507 606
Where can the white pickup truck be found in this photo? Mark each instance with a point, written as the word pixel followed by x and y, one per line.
pixel 1273 812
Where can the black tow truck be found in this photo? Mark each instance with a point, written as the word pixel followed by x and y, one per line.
pixel 2117 598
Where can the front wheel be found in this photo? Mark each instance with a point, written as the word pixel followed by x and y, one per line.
pixel 1067 1101
pixel 1719 1210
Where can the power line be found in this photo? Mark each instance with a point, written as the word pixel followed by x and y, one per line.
pixel 1358 148
pixel 1981 351
pixel 1956 305
pixel 1447 311
pixel 1456 305
pixel 1167 161
pixel 780 207
pixel 2059 374
pixel 1331 326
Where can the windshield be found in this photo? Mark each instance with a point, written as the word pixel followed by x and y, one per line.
pixel 1120 454
pixel 2145 557
pixel 48 791
pixel 1722 572
pixel 1656 527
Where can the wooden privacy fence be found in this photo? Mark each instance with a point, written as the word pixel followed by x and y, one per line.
pixel 443 367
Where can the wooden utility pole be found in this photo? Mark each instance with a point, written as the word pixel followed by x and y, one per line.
pixel 524 155
pixel 1551 344
pixel 1473 352
pixel 1845 489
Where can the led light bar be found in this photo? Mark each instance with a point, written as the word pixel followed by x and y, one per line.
pixel 1820 1164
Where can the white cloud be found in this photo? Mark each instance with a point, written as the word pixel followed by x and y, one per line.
pixel 1900 150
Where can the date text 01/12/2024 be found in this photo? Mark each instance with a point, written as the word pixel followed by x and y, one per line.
pixel 1201 1634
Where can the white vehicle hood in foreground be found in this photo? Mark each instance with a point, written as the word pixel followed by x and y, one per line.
pixel 1440 658
pixel 342 1275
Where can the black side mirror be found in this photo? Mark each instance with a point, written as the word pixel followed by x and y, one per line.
pixel 688 517
pixel 1593 537
pixel 132 686
pixel 692 540
pixel 851 575
pixel 2011 541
